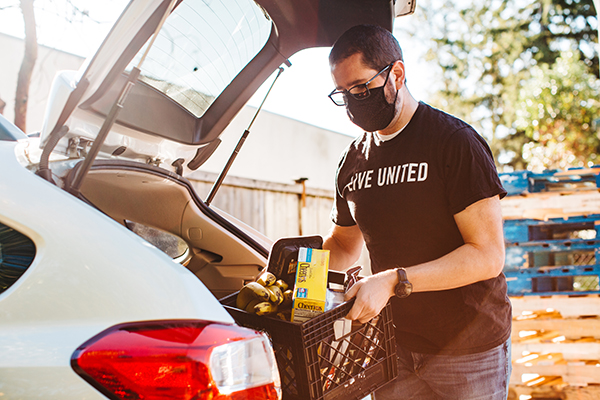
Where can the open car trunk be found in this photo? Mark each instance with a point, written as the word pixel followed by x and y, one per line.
pixel 139 196
pixel 151 104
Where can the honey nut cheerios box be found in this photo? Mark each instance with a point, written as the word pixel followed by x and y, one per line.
pixel 310 290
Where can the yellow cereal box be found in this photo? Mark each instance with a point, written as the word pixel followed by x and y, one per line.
pixel 310 290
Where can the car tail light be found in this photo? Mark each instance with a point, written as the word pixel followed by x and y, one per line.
pixel 179 359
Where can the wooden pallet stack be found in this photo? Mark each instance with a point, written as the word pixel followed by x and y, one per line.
pixel 556 349
pixel 551 226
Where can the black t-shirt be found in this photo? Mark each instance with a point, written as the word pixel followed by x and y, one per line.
pixel 403 194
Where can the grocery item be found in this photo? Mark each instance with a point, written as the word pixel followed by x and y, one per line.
pixel 265 308
pixel 249 292
pixel 266 279
pixel 284 256
pixel 261 297
pixel 310 289
pixel 276 296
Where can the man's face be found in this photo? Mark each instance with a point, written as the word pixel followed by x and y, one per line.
pixel 375 108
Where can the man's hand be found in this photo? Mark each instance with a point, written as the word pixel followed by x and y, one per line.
pixel 372 294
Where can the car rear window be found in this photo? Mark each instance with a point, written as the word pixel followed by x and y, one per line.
pixel 16 255
pixel 201 49
pixel 9 132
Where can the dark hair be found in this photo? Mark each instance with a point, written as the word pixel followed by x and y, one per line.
pixel 376 44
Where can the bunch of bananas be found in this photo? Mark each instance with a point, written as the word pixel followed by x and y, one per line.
pixel 266 296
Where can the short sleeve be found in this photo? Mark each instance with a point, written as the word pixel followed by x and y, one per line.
pixel 340 212
pixel 470 172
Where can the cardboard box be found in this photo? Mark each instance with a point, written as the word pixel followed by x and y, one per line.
pixel 310 289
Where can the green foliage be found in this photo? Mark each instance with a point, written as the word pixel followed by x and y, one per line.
pixel 487 51
pixel 556 111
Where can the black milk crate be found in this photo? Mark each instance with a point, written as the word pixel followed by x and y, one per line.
pixel 313 365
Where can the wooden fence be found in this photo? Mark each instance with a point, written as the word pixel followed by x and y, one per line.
pixel 275 209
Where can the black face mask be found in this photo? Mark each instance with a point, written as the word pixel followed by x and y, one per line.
pixel 373 113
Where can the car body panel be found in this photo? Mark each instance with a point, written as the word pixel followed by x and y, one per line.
pixel 90 274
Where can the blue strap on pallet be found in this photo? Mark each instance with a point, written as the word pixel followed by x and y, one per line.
pixel 527 182
pixel 552 280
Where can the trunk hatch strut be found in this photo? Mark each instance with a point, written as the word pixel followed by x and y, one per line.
pixel 114 112
pixel 219 181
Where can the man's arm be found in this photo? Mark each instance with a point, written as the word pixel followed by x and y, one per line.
pixel 481 257
pixel 345 244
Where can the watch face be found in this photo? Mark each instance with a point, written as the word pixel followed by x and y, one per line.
pixel 403 289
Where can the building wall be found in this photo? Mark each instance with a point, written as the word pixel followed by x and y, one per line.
pixel 49 61
pixel 280 149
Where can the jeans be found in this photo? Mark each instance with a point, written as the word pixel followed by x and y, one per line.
pixel 480 376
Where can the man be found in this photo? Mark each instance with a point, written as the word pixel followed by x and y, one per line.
pixel 420 189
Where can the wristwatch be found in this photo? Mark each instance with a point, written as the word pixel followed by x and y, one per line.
pixel 404 287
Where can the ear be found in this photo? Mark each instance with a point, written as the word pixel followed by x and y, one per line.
pixel 399 74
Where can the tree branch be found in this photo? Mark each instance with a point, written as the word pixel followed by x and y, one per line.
pixel 26 70
pixel 7 7
pixel 81 12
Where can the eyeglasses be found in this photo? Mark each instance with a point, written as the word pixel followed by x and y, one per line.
pixel 359 92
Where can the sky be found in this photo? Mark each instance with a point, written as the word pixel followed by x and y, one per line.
pixel 300 93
